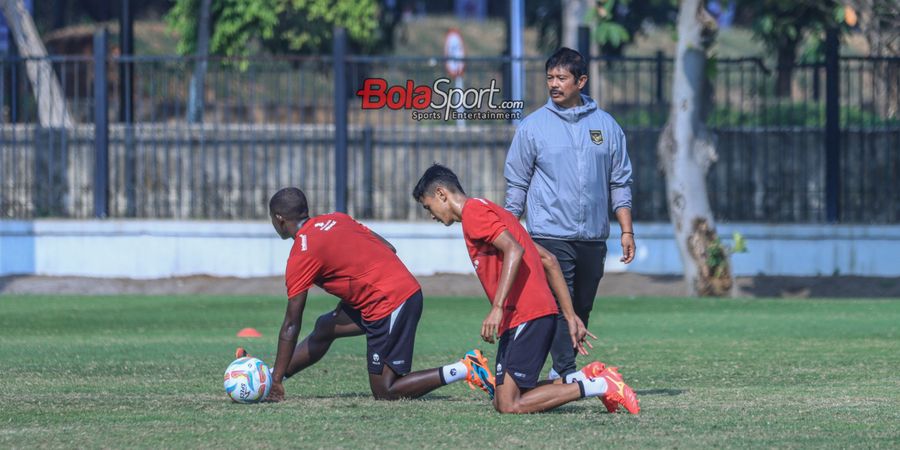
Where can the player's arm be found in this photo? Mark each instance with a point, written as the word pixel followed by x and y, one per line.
pixel 620 193
pixel 623 215
pixel 383 241
pixel 287 341
pixel 557 282
pixel 512 258
pixel 518 171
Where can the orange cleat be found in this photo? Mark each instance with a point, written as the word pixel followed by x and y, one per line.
pixel 240 353
pixel 478 374
pixel 594 370
pixel 618 393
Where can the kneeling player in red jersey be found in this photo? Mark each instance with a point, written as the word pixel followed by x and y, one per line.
pixel 515 273
pixel 379 298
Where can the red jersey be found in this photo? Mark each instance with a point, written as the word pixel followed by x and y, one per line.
pixel 530 297
pixel 340 255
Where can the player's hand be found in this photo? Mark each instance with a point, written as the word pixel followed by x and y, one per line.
pixel 579 334
pixel 491 324
pixel 627 248
pixel 276 394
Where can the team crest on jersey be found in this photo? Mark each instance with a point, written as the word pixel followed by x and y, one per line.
pixel 597 137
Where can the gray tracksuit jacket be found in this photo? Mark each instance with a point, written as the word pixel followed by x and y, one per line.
pixel 569 166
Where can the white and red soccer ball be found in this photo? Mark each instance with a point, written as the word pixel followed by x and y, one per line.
pixel 247 380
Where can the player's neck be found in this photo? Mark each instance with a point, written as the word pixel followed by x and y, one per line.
pixel 457 203
pixel 295 227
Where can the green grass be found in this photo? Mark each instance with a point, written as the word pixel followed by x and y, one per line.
pixel 147 372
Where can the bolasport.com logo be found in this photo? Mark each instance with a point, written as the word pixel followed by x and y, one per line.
pixel 440 101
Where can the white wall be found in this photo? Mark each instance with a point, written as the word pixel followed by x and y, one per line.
pixel 157 249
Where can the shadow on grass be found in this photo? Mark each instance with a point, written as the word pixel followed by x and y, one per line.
pixel 669 392
pixel 368 396
pixel 568 408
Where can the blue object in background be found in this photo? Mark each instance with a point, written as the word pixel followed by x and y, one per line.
pixel 724 16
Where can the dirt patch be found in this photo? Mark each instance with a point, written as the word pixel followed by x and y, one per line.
pixel 612 285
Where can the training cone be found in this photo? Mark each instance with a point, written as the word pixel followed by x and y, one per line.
pixel 249 333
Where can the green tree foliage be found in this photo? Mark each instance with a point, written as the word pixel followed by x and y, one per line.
pixel 279 26
pixel 783 25
pixel 617 22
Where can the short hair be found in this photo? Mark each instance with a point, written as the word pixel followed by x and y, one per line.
pixel 289 203
pixel 436 175
pixel 568 59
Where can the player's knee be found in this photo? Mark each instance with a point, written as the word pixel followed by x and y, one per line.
pixel 381 389
pixel 507 407
pixel 324 320
pixel 324 328
pixel 385 394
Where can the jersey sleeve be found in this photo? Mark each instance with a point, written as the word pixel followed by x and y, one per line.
pixel 482 223
pixel 302 271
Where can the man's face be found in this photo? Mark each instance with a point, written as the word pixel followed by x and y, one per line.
pixel 280 226
pixel 436 203
pixel 565 89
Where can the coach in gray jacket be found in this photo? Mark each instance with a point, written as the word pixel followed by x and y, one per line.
pixel 568 164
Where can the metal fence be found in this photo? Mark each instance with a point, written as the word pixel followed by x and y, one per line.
pixel 270 122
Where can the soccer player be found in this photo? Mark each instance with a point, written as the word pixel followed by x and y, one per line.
pixel 379 297
pixel 515 273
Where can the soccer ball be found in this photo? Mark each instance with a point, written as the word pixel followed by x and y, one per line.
pixel 247 380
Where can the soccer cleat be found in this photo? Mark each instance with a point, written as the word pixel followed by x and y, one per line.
pixel 618 393
pixel 477 372
pixel 594 370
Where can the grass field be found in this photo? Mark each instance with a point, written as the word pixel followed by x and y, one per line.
pixel 147 372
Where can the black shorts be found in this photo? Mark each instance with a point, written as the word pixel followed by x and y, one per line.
pixel 523 350
pixel 391 340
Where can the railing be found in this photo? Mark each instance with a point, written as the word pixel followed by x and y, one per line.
pixel 271 122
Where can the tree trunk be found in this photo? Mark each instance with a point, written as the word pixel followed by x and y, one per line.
pixel 49 96
pixel 573 12
pixel 196 91
pixel 879 21
pixel 787 55
pixel 686 150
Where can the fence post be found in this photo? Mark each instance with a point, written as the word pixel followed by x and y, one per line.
pixel 817 82
pixel 584 47
pixel 13 79
pixel 832 127
pixel 660 74
pixel 368 208
pixel 126 105
pixel 517 52
pixel 340 119
pixel 126 68
pixel 101 127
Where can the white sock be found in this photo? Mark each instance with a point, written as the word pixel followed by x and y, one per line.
pixel 453 372
pixel 553 375
pixel 592 388
pixel 575 376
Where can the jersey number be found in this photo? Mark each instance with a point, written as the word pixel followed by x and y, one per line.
pixel 303 242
